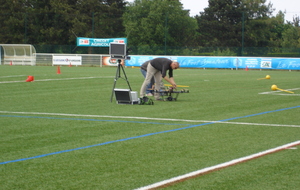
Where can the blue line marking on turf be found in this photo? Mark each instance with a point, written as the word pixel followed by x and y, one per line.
pixel 145 135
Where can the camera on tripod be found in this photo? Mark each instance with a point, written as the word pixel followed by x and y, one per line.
pixel 123 96
pixel 118 51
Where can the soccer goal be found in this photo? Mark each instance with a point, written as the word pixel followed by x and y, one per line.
pixel 17 54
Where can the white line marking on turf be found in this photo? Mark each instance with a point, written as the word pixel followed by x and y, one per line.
pixel 12 76
pixel 282 94
pixel 147 118
pixel 278 92
pixel 43 80
pixel 262 124
pixel 11 81
pixel 194 174
pixel 104 116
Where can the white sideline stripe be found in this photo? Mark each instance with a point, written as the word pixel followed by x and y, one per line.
pixel 106 116
pixel 260 124
pixel 177 179
pixel 147 118
pixel 12 76
pixel 42 80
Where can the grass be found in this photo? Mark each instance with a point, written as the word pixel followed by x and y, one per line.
pixel 94 145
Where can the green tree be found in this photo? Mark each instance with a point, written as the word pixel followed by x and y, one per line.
pixel 296 21
pixel 99 19
pixel 225 22
pixel 49 22
pixel 277 26
pixel 151 24
pixel 220 24
pixel 291 37
pixel 56 22
pixel 12 21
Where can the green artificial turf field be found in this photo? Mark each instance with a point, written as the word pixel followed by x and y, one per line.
pixel 61 131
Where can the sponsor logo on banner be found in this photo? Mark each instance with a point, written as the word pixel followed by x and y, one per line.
pixel 266 64
pixel 119 41
pixel 66 60
pixel 108 61
pixel 84 42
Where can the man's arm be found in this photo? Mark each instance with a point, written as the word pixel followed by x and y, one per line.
pixel 171 81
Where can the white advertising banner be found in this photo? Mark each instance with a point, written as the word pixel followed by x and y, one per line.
pixel 66 60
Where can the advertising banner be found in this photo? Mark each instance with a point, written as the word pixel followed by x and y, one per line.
pixel 108 61
pixel 224 62
pixel 99 42
pixel 139 60
pixel 205 62
pixel 268 63
pixel 66 60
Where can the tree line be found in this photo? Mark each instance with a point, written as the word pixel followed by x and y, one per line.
pixel 160 27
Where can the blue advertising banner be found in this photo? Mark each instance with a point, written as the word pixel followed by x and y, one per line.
pixel 139 60
pixel 224 62
pixel 99 42
pixel 268 63
pixel 205 62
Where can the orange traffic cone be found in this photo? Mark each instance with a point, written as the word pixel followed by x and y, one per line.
pixel 58 69
pixel 70 64
pixel 247 68
pixel 10 63
pixel 30 79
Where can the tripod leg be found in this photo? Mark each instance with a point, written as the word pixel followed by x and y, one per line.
pixel 115 81
pixel 126 77
pixel 118 75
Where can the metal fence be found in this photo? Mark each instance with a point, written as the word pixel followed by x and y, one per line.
pixel 180 51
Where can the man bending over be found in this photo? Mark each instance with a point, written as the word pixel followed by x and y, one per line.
pixel 158 68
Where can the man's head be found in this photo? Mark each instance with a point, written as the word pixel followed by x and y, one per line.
pixel 175 65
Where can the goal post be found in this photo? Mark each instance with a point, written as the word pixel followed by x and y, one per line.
pixel 18 54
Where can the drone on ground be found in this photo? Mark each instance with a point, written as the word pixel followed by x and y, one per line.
pixel 168 93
